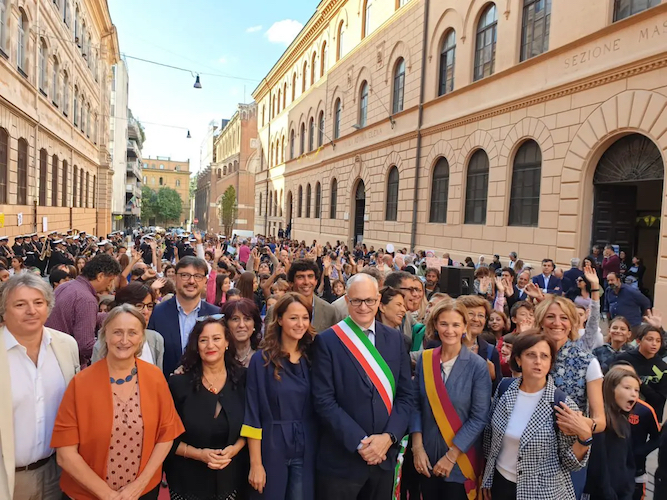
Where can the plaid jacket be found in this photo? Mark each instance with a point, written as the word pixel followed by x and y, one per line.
pixel 545 457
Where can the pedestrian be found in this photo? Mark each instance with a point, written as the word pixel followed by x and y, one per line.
pixel 611 467
pixel 522 443
pixel 453 388
pixel 626 301
pixel 547 282
pixel 391 310
pixel 112 436
pixel 75 311
pixel 303 276
pixel 571 275
pixel 210 459
pixel 360 428
pixel 280 423
pixel 512 264
pixel 241 317
pixel 618 341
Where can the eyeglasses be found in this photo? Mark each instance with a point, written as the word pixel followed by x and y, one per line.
pixel 358 302
pixel 141 306
pixel 580 280
pixel 216 317
pixel 413 290
pixel 187 277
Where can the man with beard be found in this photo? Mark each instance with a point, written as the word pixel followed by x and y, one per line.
pixel 432 281
pixel 622 300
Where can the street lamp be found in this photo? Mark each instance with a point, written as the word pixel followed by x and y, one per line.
pixel 197 83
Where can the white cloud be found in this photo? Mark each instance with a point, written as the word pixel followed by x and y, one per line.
pixel 283 31
pixel 254 29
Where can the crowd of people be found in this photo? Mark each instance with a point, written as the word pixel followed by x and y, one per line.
pixel 266 368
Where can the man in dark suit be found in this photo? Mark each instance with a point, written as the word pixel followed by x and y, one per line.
pixel 175 318
pixel 571 276
pixel 363 395
pixel 547 281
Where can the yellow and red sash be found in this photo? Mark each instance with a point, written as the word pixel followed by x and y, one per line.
pixel 447 419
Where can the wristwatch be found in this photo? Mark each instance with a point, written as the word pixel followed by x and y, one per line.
pixel 587 442
pixel 393 438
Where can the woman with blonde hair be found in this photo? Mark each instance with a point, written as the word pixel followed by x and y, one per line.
pixel 558 319
pixel 117 421
pixel 279 421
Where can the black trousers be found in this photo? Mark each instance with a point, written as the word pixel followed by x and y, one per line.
pixel 436 488
pixel 379 486
pixel 151 495
pixel 502 489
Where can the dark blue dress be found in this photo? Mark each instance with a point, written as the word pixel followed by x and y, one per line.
pixel 280 413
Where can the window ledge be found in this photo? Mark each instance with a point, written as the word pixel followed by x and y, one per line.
pixel 43 93
pixel 23 73
pixel 54 103
pixel 4 54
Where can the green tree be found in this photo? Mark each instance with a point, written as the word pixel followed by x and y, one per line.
pixel 148 204
pixel 170 206
pixel 227 210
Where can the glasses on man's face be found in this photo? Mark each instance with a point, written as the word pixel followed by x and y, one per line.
pixel 142 305
pixel 411 289
pixel 187 277
pixel 358 302
pixel 216 317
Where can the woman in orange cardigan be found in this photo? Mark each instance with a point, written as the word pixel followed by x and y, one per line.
pixel 117 420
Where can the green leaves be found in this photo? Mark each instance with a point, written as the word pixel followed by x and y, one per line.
pixel 164 206
pixel 228 209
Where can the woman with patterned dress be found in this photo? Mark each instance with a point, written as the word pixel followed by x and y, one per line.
pixel 209 461
pixel 117 421
pixel 576 371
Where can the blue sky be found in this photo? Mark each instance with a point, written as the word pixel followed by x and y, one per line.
pixel 239 38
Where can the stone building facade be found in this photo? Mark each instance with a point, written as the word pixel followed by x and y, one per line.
pixel 474 128
pixel 55 60
pixel 235 161
pixel 162 171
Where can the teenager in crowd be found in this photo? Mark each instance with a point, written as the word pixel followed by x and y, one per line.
pixel 618 338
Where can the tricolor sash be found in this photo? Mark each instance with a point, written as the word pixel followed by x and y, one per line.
pixel 369 358
pixel 447 419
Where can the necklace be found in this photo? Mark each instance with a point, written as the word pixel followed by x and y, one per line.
pixel 121 381
pixel 211 387
pixel 241 359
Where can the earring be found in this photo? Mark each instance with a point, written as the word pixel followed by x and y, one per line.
pixel 227 348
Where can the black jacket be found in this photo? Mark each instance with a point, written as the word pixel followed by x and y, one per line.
pixel 611 467
pixel 654 387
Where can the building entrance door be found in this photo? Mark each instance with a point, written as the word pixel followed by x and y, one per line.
pixel 359 211
pixel 628 202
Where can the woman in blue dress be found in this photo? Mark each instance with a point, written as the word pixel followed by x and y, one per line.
pixel 279 420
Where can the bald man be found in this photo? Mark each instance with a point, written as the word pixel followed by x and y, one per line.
pixel 363 396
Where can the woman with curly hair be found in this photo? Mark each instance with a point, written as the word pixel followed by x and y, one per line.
pixel 279 417
pixel 209 461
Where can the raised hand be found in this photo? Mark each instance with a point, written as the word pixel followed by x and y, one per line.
pixel 592 276
pixel 654 318
pixel 500 284
pixel 534 291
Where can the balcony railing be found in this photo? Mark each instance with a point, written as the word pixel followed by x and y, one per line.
pixel 134 168
pixel 133 150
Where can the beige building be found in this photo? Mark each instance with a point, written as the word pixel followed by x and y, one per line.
pixel 162 171
pixel 235 161
pixel 55 59
pixel 473 128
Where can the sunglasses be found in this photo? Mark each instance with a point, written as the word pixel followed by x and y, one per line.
pixel 216 317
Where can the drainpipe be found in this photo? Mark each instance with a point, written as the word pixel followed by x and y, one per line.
pixel 413 234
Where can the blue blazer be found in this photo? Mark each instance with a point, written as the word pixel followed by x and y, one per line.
pixel 555 285
pixel 570 278
pixel 349 406
pixel 469 388
pixel 164 320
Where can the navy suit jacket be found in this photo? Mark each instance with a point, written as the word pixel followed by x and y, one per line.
pixel 555 285
pixel 349 406
pixel 570 278
pixel 164 320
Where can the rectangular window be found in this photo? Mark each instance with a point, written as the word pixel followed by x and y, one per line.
pixel 627 8
pixel 535 28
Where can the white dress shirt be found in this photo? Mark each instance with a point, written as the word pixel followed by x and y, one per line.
pixel 370 332
pixel 546 282
pixel 36 395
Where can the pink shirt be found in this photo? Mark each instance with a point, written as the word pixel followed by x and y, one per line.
pixel 244 253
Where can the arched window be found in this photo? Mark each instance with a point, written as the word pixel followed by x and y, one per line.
pixel 284 94
pixel 3 23
pixel 399 85
pixel 627 8
pixel 65 93
pixel 294 87
pixel 526 178
pixel 535 27
pixel 303 76
pixel 160 181
pixel 333 206
pixel 282 150
pixel 82 114
pixel 308 196
pixel 22 41
pixel 77 32
pixel 311 134
pixel 302 139
pixel 65 183
pixel 43 66
pixel 4 164
pixel 313 66
pixel 323 59
pixel 260 204
pixel 280 94
pixel 76 107
pixel 366 28
pixel 66 12
pixel 269 205
pixel 392 194
pixel 280 204
pixel 363 104
pixel 87 195
pixel 485 48
pixel 263 113
pixel 318 201
pixel 94 191
pixel 477 188
pixel 54 181
pixel 178 183
pixel 299 205
pixel 75 179
pixel 273 107
pixel 338 111
pixel 291 144
pixel 320 129
pixel 54 83
pixel 447 62
pixel 272 155
pixel 340 48
pixel 43 176
pixel 439 191
pixel 22 194
pixel 81 192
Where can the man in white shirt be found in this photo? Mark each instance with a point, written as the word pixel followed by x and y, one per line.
pixel 36 364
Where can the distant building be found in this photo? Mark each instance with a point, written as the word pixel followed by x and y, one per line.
pixel 235 161
pixel 162 172
pixel 55 69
